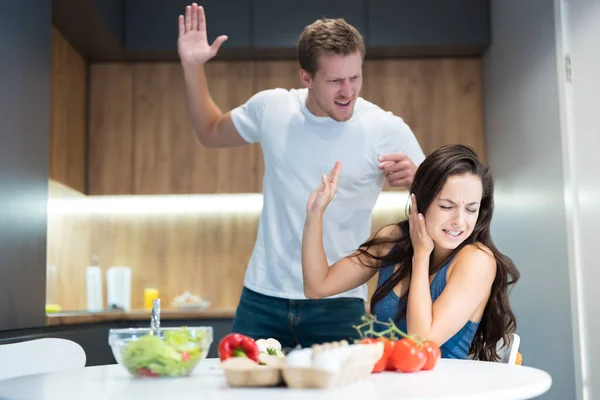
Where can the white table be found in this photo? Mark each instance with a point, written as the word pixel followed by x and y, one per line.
pixel 451 379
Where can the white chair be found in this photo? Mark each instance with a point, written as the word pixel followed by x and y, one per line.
pixel 39 356
pixel 509 353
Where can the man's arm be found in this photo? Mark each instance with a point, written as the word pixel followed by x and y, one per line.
pixel 212 127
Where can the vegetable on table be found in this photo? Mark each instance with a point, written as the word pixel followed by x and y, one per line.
pixel 433 353
pixel 388 348
pixel 174 355
pixel 407 356
pixel 238 345
pixel 408 353
pixel 270 347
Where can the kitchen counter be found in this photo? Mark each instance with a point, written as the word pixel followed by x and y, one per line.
pixel 85 317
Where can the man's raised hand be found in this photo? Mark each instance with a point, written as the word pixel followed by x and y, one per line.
pixel 192 44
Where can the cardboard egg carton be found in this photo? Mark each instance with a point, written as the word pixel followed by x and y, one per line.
pixel 331 365
pixel 321 366
pixel 243 372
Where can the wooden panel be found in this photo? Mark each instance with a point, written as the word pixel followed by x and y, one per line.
pixel 440 99
pixel 67 113
pixel 168 158
pixel 155 128
pixel 110 129
pixel 207 255
pixel 176 252
pixel 276 74
pixel 231 84
pixel 68 250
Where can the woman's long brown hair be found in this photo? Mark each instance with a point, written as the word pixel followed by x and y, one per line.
pixel 498 320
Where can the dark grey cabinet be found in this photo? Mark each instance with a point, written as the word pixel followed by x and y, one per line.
pixel 428 26
pixel 25 70
pixel 93 337
pixel 277 24
pixel 270 28
pixel 151 25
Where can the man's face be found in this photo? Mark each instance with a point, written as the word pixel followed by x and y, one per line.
pixel 335 86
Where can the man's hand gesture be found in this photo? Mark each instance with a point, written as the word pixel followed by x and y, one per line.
pixel 192 44
pixel 398 168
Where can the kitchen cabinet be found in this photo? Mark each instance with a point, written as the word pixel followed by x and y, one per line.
pixel 92 335
pixel 442 27
pixel 152 24
pixel 141 141
pixel 440 99
pixel 167 156
pixel 110 153
pixel 67 113
pixel 146 30
pixel 275 27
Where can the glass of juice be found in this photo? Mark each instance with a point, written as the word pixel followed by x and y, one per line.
pixel 150 293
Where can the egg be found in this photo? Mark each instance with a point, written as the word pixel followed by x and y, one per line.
pixel 301 358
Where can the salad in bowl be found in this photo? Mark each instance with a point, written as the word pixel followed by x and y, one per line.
pixel 165 352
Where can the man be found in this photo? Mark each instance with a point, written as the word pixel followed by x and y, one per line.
pixel 303 132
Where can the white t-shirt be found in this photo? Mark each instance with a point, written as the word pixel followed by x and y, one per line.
pixel 298 149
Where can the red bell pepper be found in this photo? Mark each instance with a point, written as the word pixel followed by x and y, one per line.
pixel 238 345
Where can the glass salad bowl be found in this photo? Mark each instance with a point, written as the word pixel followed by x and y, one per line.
pixel 167 352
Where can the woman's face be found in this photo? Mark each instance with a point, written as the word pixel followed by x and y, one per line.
pixel 452 215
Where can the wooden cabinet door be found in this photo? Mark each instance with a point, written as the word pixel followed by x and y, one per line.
pixel 141 140
pixel 110 154
pixel 440 99
pixel 67 114
pixel 167 157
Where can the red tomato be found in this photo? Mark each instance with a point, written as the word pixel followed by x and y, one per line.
pixel 432 353
pixel 185 356
pixel 407 356
pixel 147 372
pixel 388 347
pixel 390 366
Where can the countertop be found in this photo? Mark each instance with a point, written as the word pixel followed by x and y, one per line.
pixel 85 317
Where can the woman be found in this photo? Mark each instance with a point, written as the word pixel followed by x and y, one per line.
pixel 440 275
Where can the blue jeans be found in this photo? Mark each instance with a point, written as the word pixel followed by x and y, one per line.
pixel 297 322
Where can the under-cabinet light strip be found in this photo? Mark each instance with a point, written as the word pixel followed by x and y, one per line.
pixel 186 204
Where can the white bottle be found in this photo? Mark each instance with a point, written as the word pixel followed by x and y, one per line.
pixel 118 287
pixel 93 280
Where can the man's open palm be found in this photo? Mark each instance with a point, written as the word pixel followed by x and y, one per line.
pixel 193 44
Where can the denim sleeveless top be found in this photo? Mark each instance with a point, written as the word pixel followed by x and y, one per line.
pixel 457 346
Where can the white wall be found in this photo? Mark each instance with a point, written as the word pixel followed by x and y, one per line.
pixel 578 25
pixel 524 149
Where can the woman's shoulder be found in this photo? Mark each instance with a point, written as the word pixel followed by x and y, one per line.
pixel 476 249
pixel 475 255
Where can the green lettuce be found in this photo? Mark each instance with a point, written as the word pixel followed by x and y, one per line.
pixel 174 354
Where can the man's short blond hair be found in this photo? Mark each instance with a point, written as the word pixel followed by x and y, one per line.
pixel 327 36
